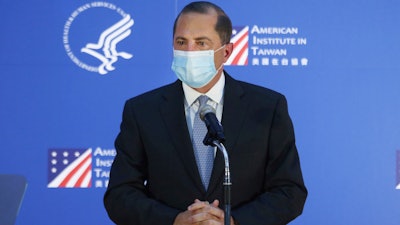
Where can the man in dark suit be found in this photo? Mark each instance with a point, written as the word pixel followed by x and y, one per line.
pixel 156 178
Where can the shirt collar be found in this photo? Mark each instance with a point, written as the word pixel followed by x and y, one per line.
pixel 215 93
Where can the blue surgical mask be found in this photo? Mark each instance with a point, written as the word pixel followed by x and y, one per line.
pixel 195 68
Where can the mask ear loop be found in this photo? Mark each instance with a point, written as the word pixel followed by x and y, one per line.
pixel 217 51
pixel 219 48
pixel 220 67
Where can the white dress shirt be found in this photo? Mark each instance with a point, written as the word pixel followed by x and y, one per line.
pixel 215 95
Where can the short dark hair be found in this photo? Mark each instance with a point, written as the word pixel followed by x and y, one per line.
pixel 223 25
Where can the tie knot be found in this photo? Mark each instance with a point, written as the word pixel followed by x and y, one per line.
pixel 202 100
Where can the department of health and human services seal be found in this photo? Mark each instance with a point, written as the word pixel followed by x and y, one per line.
pixel 91 43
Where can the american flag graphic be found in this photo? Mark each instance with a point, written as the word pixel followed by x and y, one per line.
pixel 70 168
pixel 240 40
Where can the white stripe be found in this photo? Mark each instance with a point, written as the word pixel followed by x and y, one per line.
pixel 243 58
pixel 80 172
pixel 87 179
pixel 240 34
pixel 237 49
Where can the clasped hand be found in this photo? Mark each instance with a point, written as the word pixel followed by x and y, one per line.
pixel 201 213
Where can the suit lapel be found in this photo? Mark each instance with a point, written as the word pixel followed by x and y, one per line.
pixel 232 119
pixel 172 111
pixel 173 114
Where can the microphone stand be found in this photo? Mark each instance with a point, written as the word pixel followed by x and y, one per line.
pixel 227 182
pixel 215 140
pixel 214 137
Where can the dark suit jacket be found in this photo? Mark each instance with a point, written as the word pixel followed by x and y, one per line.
pixel 154 175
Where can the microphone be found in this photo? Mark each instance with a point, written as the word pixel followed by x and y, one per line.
pixel 215 136
pixel 215 130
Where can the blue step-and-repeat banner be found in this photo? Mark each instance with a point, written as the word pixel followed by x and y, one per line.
pixel 67 67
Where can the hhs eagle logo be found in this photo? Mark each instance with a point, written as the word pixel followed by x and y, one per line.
pixel 93 46
pixel 108 42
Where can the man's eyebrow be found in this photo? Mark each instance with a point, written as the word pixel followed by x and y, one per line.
pixel 203 38
pixel 179 37
pixel 197 39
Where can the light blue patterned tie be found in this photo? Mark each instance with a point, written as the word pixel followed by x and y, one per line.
pixel 204 154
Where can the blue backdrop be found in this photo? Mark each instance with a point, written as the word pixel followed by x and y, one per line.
pixel 337 62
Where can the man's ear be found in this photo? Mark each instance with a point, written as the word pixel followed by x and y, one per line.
pixel 228 51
